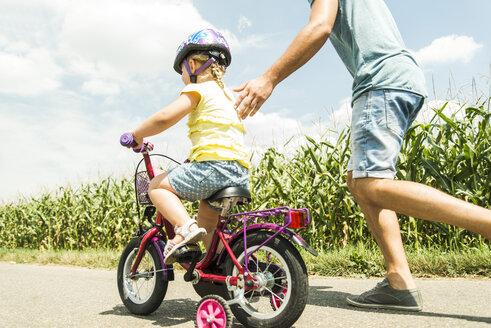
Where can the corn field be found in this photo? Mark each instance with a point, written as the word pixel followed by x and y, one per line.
pixel 453 155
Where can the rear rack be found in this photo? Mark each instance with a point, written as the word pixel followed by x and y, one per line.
pixel 293 218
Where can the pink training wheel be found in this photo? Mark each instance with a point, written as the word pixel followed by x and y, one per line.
pixel 213 312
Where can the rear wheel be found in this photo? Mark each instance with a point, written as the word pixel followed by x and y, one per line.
pixel 143 293
pixel 282 277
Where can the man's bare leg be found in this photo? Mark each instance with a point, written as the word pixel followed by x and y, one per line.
pixel 378 198
pixel 422 202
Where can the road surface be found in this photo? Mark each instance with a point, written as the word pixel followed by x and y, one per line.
pixel 61 296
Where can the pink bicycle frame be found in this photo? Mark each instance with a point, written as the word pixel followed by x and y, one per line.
pixel 161 221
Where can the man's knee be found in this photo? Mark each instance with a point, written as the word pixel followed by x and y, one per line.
pixel 354 186
pixel 364 190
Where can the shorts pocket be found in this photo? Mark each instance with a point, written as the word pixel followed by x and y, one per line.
pixel 396 113
pixel 202 172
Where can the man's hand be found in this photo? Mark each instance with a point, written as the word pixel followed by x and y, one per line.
pixel 310 39
pixel 254 93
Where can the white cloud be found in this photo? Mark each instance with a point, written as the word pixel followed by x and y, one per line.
pixel 116 41
pixel 3 40
pixel 63 147
pixel 59 52
pixel 244 23
pixel 266 130
pixel 127 37
pixel 340 117
pixel 28 72
pixel 270 128
pixel 120 42
pixel 100 87
pixel 452 109
pixel 448 49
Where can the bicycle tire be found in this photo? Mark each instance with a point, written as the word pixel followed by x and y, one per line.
pixel 156 286
pixel 294 270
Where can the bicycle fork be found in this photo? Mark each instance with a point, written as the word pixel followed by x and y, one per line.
pixel 151 236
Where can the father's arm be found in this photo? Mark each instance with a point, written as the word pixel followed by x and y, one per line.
pixel 306 44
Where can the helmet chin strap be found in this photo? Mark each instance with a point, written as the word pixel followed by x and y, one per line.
pixel 194 76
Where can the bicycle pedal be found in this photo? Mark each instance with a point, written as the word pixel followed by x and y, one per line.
pixel 187 253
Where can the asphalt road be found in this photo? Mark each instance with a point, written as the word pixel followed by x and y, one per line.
pixel 60 296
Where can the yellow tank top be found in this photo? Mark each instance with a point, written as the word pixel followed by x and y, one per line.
pixel 215 131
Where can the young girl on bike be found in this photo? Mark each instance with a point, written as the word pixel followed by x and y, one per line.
pixel 218 156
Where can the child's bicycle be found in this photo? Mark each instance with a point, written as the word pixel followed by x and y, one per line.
pixel 259 275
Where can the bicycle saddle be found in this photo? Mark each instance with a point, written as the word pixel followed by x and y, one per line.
pixel 243 194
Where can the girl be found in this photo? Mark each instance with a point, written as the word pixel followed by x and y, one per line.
pixel 218 156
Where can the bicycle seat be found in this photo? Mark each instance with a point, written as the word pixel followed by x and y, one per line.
pixel 243 195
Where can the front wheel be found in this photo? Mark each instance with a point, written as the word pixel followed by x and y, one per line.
pixel 143 293
pixel 282 277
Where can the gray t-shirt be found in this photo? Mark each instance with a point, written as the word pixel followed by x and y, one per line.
pixel 368 41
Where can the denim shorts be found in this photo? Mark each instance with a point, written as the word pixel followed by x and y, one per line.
pixel 379 121
pixel 200 180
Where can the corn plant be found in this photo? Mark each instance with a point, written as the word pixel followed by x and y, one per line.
pixel 453 155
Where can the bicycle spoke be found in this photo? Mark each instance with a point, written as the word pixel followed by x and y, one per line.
pixel 279 269
pixel 256 262
pixel 281 286
pixel 268 262
pixel 250 298
pixel 269 290
pixel 137 291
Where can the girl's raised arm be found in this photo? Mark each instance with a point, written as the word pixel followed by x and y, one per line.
pixel 167 117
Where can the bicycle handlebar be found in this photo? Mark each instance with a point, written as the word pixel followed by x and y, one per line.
pixel 126 140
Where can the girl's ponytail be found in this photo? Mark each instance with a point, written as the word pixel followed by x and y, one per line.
pixel 217 71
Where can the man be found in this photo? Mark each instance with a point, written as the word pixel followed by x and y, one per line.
pixel 388 92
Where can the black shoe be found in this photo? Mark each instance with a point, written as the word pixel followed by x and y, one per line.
pixel 383 296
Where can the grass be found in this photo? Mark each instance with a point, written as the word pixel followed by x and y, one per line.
pixel 352 261
pixel 90 258
pixel 356 261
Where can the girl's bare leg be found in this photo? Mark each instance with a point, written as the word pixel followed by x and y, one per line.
pixel 168 203
pixel 207 218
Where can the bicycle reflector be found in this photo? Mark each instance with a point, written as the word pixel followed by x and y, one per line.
pixel 298 220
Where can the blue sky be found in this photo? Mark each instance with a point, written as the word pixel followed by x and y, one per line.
pixel 74 75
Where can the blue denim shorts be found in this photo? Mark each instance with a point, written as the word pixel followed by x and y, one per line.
pixel 379 121
pixel 200 180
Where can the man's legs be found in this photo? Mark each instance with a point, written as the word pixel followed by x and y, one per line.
pixel 378 198
pixel 380 119
pixel 385 228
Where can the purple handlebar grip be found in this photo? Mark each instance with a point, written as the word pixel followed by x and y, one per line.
pixel 126 140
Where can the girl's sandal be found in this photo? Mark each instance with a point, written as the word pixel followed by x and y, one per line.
pixel 189 237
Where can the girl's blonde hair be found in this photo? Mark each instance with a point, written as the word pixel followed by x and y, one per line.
pixel 215 70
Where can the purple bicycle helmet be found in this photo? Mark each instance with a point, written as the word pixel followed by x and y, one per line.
pixel 206 41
